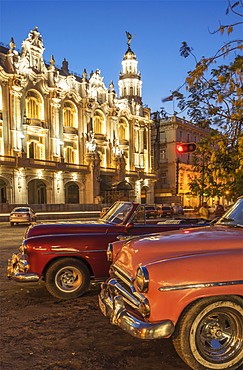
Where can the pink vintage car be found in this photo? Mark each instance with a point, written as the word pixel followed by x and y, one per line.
pixel 187 284
pixel 68 255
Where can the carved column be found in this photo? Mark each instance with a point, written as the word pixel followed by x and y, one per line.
pixel 16 125
pixel 6 119
pixel 55 132
pixel 92 183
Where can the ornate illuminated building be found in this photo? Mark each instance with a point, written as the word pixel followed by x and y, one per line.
pixel 66 138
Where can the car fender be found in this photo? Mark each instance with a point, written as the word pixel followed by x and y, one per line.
pixel 177 282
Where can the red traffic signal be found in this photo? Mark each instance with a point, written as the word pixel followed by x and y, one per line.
pixel 186 148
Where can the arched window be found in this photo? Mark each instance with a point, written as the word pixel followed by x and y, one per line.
pixel 69 113
pixel 144 194
pixel 3 187
pixel 1 129
pixel 36 192
pixel 33 105
pixel 71 193
pixel 99 122
pixel 122 131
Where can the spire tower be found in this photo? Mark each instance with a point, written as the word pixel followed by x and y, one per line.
pixel 130 84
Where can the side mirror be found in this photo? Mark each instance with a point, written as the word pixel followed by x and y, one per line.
pixel 129 225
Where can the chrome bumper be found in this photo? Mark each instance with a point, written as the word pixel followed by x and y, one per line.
pixel 114 307
pixel 18 269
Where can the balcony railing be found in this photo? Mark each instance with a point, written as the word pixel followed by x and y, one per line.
pixel 41 163
pixel 35 122
pixel 70 130
pixel 74 167
pixel 108 171
pixel 38 162
pixel 8 160
pixel 101 139
pixel 123 144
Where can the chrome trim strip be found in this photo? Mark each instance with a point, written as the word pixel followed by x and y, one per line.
pixel 200 285
pixel 74 252
pixel 26 277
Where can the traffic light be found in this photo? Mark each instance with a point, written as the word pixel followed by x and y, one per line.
pixel 186 148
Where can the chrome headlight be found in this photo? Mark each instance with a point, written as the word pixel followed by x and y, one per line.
pixel 142 279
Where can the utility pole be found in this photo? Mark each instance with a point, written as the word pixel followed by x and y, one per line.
pixel 177 175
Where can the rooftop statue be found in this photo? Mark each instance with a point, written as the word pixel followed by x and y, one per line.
pixel 129 38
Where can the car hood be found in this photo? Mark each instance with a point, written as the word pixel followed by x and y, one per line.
pixel 60 228
pixel 182 243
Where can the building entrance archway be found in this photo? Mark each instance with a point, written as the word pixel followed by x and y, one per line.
pixel 71 193
pixel 144 191
pixel 3 191
pixel 36 192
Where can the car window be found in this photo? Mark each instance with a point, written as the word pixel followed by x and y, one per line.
pixel 21 210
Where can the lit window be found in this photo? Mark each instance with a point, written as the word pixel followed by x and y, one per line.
pixel 98 123
pixel 162 154
pixel 33 105
pixel 69 113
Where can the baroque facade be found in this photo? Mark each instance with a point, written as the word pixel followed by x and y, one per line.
pixel 66 138
pixel 174 170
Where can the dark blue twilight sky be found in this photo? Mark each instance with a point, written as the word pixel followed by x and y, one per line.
pixel 91 35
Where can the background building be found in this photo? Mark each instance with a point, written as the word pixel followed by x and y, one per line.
pixel 173 169
pixel 66 138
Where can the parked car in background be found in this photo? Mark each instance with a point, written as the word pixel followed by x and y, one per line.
pixel 20 215
pixel 151 212
pixel 165 211
pixel 147 211
pixel 68 255
pixel 187 284
pixel 178 210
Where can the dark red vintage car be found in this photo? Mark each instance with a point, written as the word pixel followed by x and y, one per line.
pixel 68 255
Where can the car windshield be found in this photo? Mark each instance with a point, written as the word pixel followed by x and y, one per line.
pixel 234 216
pixel 118 213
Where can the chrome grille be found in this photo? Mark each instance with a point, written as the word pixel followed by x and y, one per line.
pixel 122 284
